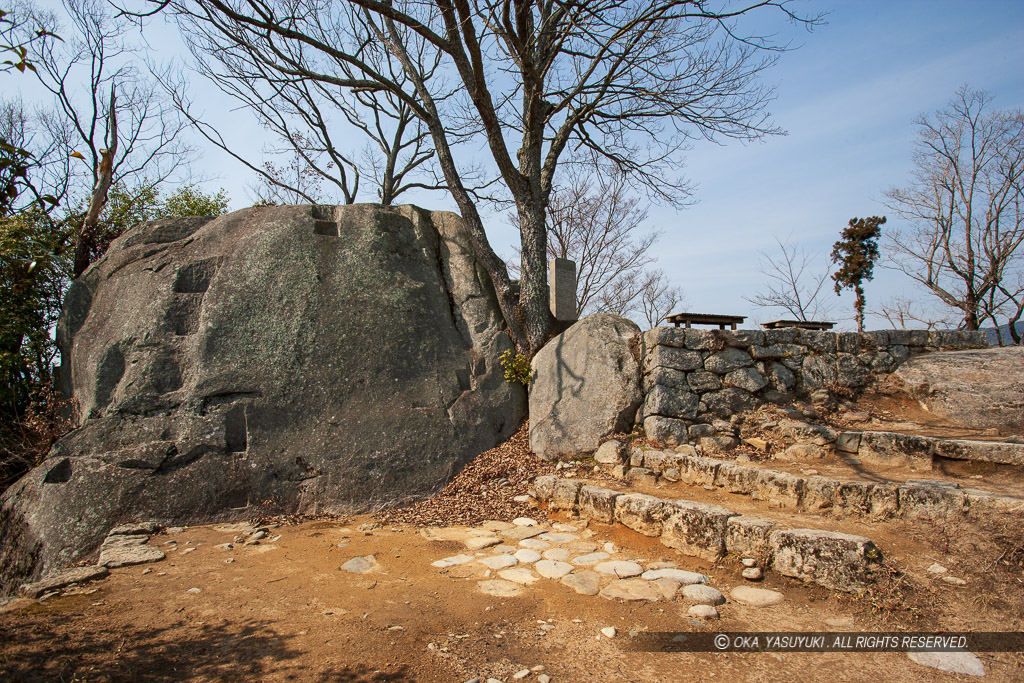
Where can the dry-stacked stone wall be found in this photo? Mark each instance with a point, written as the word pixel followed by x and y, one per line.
pixel 696 382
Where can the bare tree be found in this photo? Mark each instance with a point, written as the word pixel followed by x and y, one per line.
pixel 106 114
pixel 314 119
pixel 658 298
pixel 963 204
pixel 902 313
pixel 595 221
pixel 793 284
pixel 631 83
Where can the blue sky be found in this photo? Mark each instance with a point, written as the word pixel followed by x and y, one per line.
pixel 847 97
pixel 846 93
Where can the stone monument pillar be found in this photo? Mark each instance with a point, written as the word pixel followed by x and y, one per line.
pixel 562 285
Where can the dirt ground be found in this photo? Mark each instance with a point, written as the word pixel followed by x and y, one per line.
pixel 284 610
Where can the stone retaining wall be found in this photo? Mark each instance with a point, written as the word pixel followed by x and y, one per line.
pixel 696 380
pixel 831 559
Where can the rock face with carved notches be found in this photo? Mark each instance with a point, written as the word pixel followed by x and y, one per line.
pixel 287 359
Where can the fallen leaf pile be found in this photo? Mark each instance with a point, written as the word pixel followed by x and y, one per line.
pixel 483 490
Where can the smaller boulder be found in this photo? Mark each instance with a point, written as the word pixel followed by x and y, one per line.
pixel 585 386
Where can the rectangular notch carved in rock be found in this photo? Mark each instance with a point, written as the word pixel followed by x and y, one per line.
pixel 329 228
pixel 195 277
pixel 182 316
pixel 235 430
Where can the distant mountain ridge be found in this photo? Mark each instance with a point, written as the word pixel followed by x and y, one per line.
pixel 993 337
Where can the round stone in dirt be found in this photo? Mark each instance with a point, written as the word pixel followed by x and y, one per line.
pixel 756 597
pixel 500 588
pixel 703 595
pixel 620 568
pixel 360 565
pixel 703 612
pixel 552 569
pixel 584 582
pixel 752 574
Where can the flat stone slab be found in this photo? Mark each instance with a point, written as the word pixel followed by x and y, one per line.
pixel 522 521
pixel 620 568
pixel 557 537
pixel 451 561
pixel 581 547
pixel 124 551
pixel 134 529
pixel 557 554
pixel 584 582
pixel 64 578
pixel 481 542
pixel 703 595
pixel 631 589
pixel 361 564
pixel 966 663
pixel 756 597
pixel 681 575
pixel 553 569
pixel 521 533
pixel 435 533
pixel 527 556
pixel 534 544
pixel 498 525
pixel 519 575
pixel 589 559
pixel 497 562
pixel 500 588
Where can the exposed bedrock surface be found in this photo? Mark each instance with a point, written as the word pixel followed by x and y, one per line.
pixel 298 358
pixel 980 388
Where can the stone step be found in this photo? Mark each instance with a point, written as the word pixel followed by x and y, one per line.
pixel 835 560
pixel 889 447
pixel 913 499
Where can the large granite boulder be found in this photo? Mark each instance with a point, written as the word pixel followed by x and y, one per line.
pixel 585 386
pixel 278 359
pixel 980 388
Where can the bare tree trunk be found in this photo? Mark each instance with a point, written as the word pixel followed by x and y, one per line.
pixel 534 299
pixel 104 176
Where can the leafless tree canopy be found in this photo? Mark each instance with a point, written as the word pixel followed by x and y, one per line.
pixel 902 313
pixel 314 119
pixel 793 284
pixel 539 81
pixel 963 206
pixel 108 126
pixel 595 221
